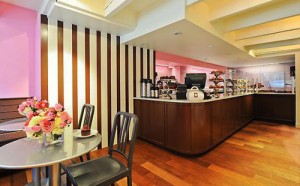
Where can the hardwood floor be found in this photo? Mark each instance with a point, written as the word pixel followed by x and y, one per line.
pixel 259 154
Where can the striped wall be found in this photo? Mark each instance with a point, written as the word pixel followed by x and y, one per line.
pixel 81 65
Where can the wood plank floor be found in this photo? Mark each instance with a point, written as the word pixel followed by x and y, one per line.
pixel 260 154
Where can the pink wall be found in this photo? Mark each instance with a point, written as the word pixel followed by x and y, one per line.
pixel 163 58
pixel 163 71
pixel 19 52
pixel 169 64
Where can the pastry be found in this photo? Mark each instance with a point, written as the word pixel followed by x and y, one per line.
pixel 85 131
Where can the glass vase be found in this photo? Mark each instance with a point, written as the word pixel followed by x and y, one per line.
pixel 50 139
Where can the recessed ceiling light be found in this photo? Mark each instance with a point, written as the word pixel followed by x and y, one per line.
pixel 177 33
pixel 209 46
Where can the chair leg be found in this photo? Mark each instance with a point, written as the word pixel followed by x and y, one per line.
pixel 88 157
pixel 68 181
pixel 129 181
pixel 81 158
pixel 47 171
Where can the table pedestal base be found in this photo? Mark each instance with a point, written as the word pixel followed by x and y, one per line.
pixel 53 180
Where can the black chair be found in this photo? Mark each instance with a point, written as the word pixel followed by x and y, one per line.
pixel 86 118
pixel 109 169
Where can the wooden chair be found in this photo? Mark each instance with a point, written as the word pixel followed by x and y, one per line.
pixel 86 118
pixel 109 169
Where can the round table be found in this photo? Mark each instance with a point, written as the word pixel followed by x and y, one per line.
pixel 30 153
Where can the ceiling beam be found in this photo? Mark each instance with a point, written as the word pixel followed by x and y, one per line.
pixel 190 2
pixel 287 35
pixel 114 6
pixel 287 24
pixel 225 8
pixel 274 44
pixel 276 51
pixel 280 10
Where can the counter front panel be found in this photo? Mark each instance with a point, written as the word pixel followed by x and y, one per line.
pixel 192 127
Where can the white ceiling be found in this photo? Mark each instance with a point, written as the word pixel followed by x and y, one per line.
pixel 197 43
pixel 229 32
pixel 30 4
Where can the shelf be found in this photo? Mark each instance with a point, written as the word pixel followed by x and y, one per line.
pixel 216 89
pixel 217 73
pixel 216 81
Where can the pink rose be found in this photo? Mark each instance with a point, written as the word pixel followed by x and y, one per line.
pixel 27 123
pixel 65 117
pixel 39 105
pixel 46 125
pixel 70 120
pixel 36 128
pixel 58 107
pixel 30 102
pixel 45 104
pixel 42 104
pixel 51 115
pixel 21 108
pixel 51 109
pixel 29 115
pixel 62 124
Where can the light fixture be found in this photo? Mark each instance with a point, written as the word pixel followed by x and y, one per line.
pixel 177 33
pixel 209 46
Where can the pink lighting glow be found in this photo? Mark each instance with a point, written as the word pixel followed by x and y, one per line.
pixel 19 51
pixel 178 66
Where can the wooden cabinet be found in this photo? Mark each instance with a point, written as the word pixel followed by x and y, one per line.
pixel 188 127
pixel 246 108
pixel 142 111
pixel 217 120
pixel 284 108
pixel 201 127
pixel 263 106
pixel 192 128
pixel 151 120
pixel 229 115
pixel 156 122
pixel 275 107
pixel 178 127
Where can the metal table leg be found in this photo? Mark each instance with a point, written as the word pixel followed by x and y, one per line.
pixel 54 175
pixel 36 176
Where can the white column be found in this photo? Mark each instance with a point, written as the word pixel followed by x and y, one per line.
pixel 297 79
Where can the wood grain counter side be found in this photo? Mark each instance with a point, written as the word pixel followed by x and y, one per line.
pixel 275 108
pixel 192 128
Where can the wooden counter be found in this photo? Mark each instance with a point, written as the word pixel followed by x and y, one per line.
pixel 275 107
pixel 192 127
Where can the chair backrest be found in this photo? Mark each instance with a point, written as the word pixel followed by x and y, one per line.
pixel 86 115
pixel 121 127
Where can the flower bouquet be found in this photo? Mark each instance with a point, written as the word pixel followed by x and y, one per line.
pixel 44 122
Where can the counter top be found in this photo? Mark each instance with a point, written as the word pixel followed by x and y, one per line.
pixel 187 101
pixel 208 100
pixel 275 93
